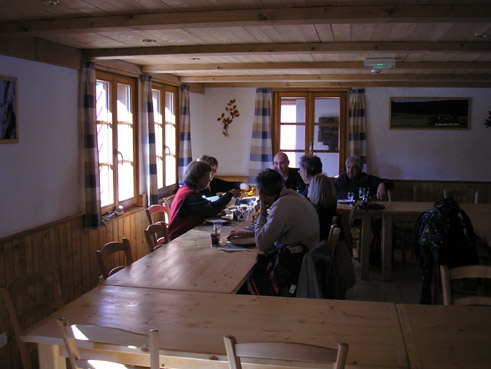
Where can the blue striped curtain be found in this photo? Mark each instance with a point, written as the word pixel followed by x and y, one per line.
pixel 185 155
pixel 93 217
pixel 150 155
pixel 261 146
pixel 357 133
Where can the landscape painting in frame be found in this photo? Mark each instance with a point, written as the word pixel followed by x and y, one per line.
pixel 8 110
pixel 429 113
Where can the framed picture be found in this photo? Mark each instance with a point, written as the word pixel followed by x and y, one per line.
pixel 429 113
pixel 8 110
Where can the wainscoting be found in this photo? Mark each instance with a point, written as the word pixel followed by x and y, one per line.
pixel 65 246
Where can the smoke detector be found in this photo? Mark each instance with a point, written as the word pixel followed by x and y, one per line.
pixel 378 65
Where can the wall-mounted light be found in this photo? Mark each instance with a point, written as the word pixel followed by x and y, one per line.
pixel 52 2
pixel 378 65
pixel 481 35
pixel 148 40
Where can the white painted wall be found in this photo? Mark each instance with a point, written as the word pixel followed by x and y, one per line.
pixel 40 177
pixel 397 154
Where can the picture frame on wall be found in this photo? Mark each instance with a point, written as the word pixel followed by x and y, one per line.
pixel 9 132
pixel 430 113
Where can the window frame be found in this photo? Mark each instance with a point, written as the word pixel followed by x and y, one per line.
pixel 163 88
pixel 113 80
pixel 310 95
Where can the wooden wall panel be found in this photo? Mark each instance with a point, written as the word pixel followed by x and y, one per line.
pixel 69 249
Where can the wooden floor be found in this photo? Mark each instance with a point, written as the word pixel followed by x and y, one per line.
pixel 405 286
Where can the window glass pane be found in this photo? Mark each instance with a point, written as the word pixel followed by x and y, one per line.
pixel 326 125
pixel 294 158
pixel 157 113
pixel 330 163
pixel 292 110
pixel 104 139
pixel 292 137
pixel 170 139
pixel 125 143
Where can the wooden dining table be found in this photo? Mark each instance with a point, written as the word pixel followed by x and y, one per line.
pixel 479 214
pixel 189 263
pixel 442 337
pixel 192 325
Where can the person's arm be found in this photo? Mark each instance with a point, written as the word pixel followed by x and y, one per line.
pixel 269 227
pixel 197 204
pixel 380 185
pixel 220 185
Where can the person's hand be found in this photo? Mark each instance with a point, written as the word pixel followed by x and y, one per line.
pixel 235 192
pixel 381 191
pixel 237 234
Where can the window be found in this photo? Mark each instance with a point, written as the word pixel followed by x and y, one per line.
pixel 117 141
pixel 311 122
pixel 165 105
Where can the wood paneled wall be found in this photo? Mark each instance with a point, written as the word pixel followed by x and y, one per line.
pixel 65 246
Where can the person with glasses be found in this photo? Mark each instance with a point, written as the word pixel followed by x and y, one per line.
pixel 310 165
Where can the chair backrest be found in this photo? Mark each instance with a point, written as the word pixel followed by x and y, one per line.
pixel 136 342
pixel 352 213
pixel 28 299
pixel 463 196
pixel 286 351
pixel 108 250
pixel 157 213
pixel 466 271
pixel 168 201
pixel 332 239
pixel 156 235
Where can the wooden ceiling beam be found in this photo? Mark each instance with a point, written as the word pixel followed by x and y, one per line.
pixel 290 48
pixel 252 17
pixel 326 84
pixel 176 68
pixel 353 78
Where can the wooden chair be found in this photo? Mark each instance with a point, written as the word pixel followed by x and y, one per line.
pixel 463 196
pixel 29 299
pixel 466 271
pixel 279 352
pixel 135 342
pixel 402 231
pixel 109 249
pixel 355 229
pixel 332 240
pixel 156 235
pixel 157 213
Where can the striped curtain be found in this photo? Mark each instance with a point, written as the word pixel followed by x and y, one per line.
pixel 150 155
pixel 88 116
pixel 357 133
pixel 261 147
pixel 185 156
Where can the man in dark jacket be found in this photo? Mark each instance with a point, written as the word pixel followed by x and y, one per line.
pixel 290 175
pixel 354 179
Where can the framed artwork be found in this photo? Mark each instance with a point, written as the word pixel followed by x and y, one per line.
pixel 429 113
pixel 8 110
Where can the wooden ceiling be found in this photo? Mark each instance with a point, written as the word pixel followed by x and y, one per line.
pixel 274 43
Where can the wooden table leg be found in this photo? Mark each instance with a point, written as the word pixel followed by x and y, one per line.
pixel 50 357
pixel 387 247
pixel 365 245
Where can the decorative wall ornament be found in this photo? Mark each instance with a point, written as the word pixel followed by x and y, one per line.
pixel 8 110
pixel 228 116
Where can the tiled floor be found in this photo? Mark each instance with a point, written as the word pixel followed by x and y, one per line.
pixel 405 286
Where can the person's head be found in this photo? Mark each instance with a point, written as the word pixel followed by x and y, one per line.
pixel 321 191
pixel 281 163
pixel 353 166
pixel 212 162
pixel 269 184
pixel 310 165
pixel 198 174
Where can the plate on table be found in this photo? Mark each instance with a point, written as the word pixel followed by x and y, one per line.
pixel 243 241
pixel 345 201
pixel 216 220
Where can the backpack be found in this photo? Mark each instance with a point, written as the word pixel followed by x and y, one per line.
pixel 276 273
pixel 443 235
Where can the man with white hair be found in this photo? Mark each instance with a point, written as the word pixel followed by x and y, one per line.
pixel 354 179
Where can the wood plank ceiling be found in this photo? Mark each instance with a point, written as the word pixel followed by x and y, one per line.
pixel 270 42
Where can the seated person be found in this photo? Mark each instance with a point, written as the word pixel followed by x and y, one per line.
pixel 354 179
pixel 285 217
pixel 217 184
pixel 323 196
pixel 310 165
pixel 189 208
pixel 290 175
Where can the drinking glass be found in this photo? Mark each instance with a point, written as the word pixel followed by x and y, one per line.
pixel 351 196
pixel 361 193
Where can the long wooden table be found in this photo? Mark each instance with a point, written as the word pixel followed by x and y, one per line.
pixel 188 263
pixel 442 337
pixel 192 325
pixel 480 215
